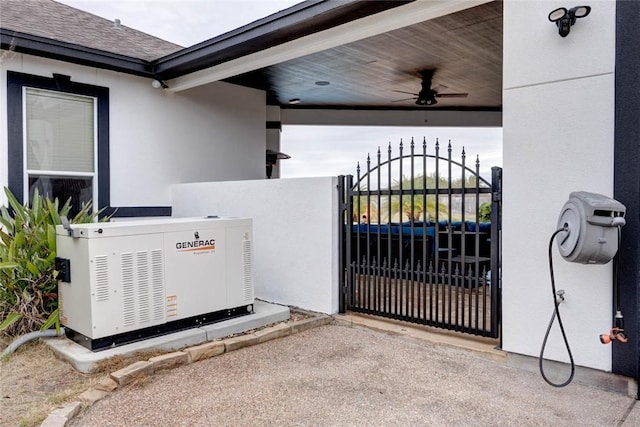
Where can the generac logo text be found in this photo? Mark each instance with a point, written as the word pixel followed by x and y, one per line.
pixel 196 245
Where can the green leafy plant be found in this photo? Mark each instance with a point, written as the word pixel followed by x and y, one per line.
pixel 28 278
pixel 484 215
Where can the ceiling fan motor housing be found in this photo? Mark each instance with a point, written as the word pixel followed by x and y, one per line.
pixel 591 224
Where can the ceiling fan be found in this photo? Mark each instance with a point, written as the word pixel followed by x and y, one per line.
pixel 428 95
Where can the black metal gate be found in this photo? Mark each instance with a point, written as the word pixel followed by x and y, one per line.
pixel 422 247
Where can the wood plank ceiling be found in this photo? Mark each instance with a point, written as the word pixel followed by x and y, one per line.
pixel 463 49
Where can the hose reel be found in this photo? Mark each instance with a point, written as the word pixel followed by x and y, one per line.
pixel 588 232
pixel 590 222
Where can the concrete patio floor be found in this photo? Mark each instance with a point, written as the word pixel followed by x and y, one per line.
pixel 339 375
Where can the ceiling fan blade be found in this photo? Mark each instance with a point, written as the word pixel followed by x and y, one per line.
pixel 401 91
pixel 451 95
pixel 406 99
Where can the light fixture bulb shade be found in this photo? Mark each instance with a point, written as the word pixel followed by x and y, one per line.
pixel 580 11
pixel 557 14
pixel 156 84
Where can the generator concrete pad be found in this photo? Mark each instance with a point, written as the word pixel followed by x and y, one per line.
pixel 85 360
pixel 269 313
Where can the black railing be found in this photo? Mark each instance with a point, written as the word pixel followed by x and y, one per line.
pixel 414 248
pixel 451 300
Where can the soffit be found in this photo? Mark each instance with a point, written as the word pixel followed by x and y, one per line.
pixel 464 49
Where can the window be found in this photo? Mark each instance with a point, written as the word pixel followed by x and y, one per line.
pixel 58 139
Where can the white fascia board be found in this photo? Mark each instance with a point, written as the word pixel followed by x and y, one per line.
pixel 398 17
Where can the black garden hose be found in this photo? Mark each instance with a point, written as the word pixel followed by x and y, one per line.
pixel 557 299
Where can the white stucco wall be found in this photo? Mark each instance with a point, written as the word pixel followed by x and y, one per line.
pixel 558 129
pixel 295 229
pixel 215 132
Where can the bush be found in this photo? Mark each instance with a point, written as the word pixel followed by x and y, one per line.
pixel 484 215
pixel 28 284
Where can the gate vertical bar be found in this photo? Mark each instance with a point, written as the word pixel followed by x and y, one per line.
pixel 463 241
pixel 392 284
pixel 358 281
pixel 450 234
pixel 343 224
pixel 496 226
pixel 436 267
pixel 349 241
pixel 370 260
pixel 379 278
pixel 425 240
pixel 476 282
pixel 400 257
pixel 412 240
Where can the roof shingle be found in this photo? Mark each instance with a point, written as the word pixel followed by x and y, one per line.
pixel 57 21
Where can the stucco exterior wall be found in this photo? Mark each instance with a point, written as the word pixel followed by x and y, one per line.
pixel 558 137
pixel 295 232
pixel 215 132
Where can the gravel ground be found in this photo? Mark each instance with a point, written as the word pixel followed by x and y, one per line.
pixel 336 375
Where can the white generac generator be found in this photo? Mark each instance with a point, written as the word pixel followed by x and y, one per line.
pixel 126 281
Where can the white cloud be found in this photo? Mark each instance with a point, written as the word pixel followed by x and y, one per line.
pixel 336 150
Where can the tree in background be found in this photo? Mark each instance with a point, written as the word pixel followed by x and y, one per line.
pixel 484 214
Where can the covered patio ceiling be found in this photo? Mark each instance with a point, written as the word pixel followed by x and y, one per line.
pixel 382 72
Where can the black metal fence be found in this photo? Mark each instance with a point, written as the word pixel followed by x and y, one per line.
pixel 420 240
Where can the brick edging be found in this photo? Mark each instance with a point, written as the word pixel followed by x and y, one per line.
pixel 60 416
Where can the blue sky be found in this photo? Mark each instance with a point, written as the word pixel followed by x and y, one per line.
pixel 315 151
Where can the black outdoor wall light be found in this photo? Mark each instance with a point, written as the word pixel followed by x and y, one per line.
pixel 272 159
pixel 564 18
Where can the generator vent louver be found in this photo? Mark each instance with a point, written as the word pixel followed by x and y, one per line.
pixel 142 287
pixel 247 277
pixel 102 277
pixel 128 297
pixel 157 285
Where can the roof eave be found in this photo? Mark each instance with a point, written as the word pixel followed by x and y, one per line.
pixel 54 49
pixel 298 21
